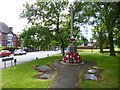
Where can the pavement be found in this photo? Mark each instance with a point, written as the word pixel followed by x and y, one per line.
pixel 68 75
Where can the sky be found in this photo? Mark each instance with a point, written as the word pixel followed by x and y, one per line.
pixel 10 11
pixel 10 14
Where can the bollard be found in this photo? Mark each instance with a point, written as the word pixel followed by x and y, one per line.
pixel 47 55
pixel 36 58
pixel 5 64
pixel 11 63
pixel 15 61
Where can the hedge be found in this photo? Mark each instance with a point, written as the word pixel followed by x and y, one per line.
pixel 9 48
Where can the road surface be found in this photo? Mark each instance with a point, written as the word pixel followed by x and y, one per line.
pixel 28 57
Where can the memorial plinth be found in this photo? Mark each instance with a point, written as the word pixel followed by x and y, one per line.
pixel 72 56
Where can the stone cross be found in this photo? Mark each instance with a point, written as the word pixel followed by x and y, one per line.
pixel 71 12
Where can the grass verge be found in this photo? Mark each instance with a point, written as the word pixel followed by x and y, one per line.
pixel 96 50
pixel 21 76
pixel 109 74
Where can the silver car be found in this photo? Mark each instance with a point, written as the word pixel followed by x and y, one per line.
pixel 20 52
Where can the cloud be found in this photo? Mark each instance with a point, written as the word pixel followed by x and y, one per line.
pixel 10 11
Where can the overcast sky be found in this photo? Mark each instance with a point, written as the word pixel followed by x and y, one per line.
pixel 10 11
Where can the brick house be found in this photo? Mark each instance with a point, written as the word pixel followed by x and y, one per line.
pixel 7 37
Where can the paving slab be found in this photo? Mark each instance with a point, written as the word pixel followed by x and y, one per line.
pixel 92 71
pixel 44 68
pixel 90 77
pixel 45 76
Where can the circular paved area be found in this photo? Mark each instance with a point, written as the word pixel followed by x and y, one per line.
pixel 68 75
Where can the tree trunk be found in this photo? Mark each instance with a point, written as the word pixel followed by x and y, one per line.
pixel 63 52
pixel 110 37
pixel 61 39
pixel 101 48
pixel 101 43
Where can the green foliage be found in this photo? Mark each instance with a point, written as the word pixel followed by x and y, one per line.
pixel 21 76
pixel 106 16
pixel 110 71
pixel 117 37
pixel 51 15
pixel 96 50
pixel 36 37
pixel 46 14
pixel 9 48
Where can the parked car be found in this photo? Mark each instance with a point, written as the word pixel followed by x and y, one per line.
pixel 65 49
pixel 5 53
pixel 19 52
pixel 118 51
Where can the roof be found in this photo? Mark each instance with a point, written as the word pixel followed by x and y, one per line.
pixel 4 28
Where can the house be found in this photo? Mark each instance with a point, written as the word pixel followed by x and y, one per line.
pixel 7 37
pixel 93 44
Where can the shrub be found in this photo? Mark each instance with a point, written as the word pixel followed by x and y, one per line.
pixel 9 48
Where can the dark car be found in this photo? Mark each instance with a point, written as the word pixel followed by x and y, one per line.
pixel 5 53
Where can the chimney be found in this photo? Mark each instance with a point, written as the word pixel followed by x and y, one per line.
pixel 10 28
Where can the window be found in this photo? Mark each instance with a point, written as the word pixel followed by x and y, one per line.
pixel 9 45
pixel 10 37
pixel 5 51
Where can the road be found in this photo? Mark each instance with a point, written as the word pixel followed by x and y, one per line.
pixel 28 57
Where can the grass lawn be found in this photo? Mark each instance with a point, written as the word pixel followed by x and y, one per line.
pixel 109 74
pixel 21 76
pixel 95 50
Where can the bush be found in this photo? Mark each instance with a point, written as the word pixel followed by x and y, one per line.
pixel 9 48
pixel 107 47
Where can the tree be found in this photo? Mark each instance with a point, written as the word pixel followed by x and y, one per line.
pixel 46 14
pixel 100 31
pixel 111 16
pixel 36 37
pixel 104 12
